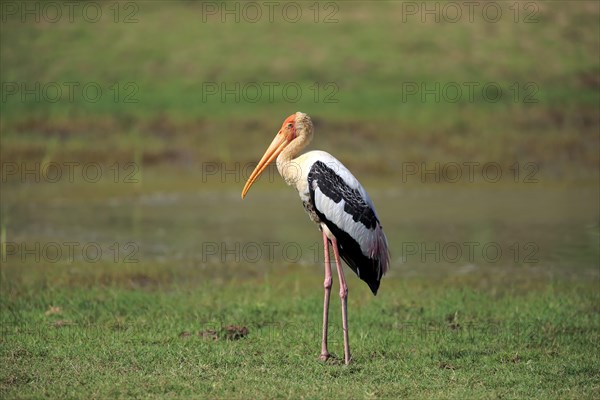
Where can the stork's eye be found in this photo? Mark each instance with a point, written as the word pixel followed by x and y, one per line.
pixel 290 125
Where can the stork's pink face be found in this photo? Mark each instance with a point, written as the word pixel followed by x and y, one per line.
pixel 286 134
pixel 288 128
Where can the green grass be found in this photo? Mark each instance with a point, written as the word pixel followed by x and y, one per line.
pixel 124 338
pixel 369 55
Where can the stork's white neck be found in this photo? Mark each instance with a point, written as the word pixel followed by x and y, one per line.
pixel 286 165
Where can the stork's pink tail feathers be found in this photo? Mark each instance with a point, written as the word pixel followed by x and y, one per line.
pixel 380 251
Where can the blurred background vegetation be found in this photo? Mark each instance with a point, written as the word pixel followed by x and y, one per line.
pixel 156 65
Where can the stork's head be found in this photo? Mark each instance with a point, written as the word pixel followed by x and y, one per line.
pixel 296 129
pixel 303 125
pixel 297 125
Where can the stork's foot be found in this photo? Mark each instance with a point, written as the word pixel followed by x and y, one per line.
pixel 332 359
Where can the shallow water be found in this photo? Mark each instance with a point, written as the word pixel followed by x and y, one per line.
pixel 504 231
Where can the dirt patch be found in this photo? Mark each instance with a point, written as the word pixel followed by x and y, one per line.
pixel 52 310
pixel 447 365
pixel 230 332
pixel 234 332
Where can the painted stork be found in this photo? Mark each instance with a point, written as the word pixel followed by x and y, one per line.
pixel 335 200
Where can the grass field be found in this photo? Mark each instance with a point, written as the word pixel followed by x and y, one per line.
pixel 156 281
pixel 154 340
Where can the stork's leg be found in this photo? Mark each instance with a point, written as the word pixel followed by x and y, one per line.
pixel 327 286
pixel 344 297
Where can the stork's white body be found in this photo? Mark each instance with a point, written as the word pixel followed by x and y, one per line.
pixel 372 242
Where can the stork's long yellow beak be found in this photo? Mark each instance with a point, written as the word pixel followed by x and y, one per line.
pixel 276 147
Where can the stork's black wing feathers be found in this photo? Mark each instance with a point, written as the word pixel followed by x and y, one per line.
pixel 325 180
